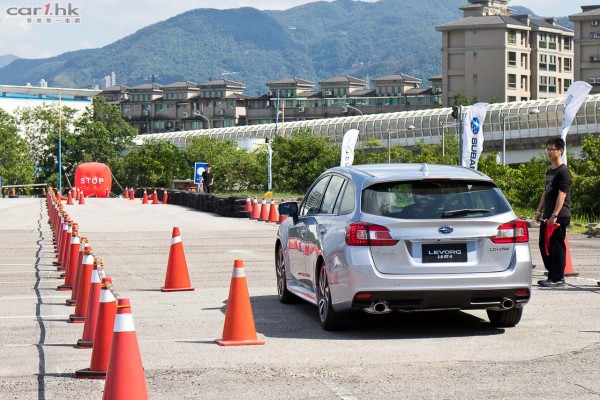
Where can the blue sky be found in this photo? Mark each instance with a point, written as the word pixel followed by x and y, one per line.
pixel 105 21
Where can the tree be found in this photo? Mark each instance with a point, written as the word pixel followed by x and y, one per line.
pixel 300 159
pixel 40 126
pixel 234 169
pixel 101 134
pixel 15 164
pixel 156 164
pixel 586 179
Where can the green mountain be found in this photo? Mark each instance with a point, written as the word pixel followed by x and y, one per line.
pixel 7 59
pixel 315 41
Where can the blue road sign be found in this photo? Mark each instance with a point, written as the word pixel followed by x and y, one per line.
pixel 199 168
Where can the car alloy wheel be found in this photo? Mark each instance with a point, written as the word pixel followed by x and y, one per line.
pixel 324 296
pixel 331 320
pixel 285 296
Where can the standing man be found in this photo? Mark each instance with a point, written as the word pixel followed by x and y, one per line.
pixel 207 179
pixel 554 212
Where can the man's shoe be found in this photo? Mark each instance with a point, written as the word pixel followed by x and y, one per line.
pixel 549 283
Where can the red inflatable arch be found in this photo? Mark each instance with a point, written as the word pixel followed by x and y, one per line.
pixel 94 179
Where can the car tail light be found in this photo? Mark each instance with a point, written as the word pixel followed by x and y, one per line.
pixel 522 292
pixel 512 232
pixel 363 234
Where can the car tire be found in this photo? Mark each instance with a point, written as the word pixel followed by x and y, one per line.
pixel 505 318
pixel 331 320
pixel 285 296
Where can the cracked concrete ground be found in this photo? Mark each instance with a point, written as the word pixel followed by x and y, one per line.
pixel 552 354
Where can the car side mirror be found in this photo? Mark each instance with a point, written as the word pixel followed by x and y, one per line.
pixel 289 209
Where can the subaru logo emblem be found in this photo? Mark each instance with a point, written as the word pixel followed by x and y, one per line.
pixel 475 125
pixel 446 230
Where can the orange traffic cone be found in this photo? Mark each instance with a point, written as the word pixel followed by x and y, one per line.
pixel 155 198
pixel 83 286
pixel 125 374
pixel 107 309
pixel 60 235
pixel 43 191
pixel 64 244
pixel 239 327
pixel 255 211
pixel 248 204
pixel 131 194
pixel 568 264
pixel 126 193
pixel 272 212
pixel 165 197
pixel 264 213
pixel 84 245
pixel 91 315
pixel 69 199
pixel 177 278
pixel 81 198
pixel 73 258
pixel 145 198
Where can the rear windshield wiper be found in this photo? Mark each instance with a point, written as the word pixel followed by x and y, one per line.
pixel 455 213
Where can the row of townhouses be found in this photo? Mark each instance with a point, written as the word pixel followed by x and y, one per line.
pixel 490 54
pixel 152 108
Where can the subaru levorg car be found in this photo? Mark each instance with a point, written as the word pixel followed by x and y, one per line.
pixel 407 237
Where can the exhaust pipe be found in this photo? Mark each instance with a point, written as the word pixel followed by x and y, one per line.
pixel 507 303
pixel 378 307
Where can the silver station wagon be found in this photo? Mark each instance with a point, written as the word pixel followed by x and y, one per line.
pixel 407 237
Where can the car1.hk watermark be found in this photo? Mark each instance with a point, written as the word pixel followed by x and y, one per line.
pixel 48 13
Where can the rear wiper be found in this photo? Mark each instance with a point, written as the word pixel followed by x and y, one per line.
pixel 454 213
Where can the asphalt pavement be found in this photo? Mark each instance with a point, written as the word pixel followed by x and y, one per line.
pixel 553 353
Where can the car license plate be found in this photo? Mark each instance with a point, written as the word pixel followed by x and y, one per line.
pixel 444 252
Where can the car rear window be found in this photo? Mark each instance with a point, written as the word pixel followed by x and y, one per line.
pixel 433 200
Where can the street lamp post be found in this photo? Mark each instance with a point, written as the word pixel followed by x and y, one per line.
pixel 206 119
pixel 409 128
pixel 277 114
pixel 59 140
pixel 269 163
pixel 504 118
pixel 354 108
pixel 446 125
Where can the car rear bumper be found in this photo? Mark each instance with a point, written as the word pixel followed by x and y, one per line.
pixel 444 299
pixel 431 291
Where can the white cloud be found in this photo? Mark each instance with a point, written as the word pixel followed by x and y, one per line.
pixel 550 8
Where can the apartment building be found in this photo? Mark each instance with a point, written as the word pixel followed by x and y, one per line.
pixel 179 106
pixel 494 54
pixel 587 46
